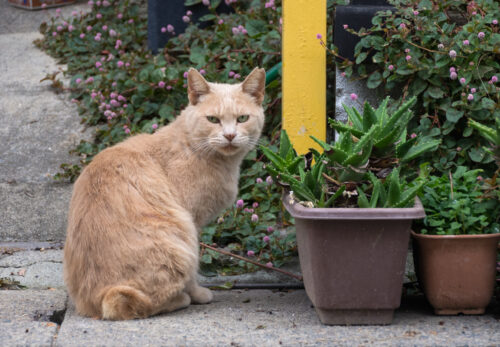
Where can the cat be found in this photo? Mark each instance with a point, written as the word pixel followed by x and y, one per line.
pixel 132 246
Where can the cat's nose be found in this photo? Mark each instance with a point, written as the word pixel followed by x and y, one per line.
pixel 230 136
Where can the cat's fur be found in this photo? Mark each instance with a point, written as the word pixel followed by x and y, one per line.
pixel 132 240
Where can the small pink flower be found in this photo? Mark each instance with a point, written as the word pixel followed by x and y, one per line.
pixel 237 76
pixel 465 42
pixel 390 67
pixel 413 135
pixel 113 95
pixel 105 27
pixel 269 264
pixel 342 74
pixel 78 81
pixel 259 180
pixel 97 38
pixel 58 11
pixel 163 30
pixel 98 64
pixel 59 28
pixel 269 180
pixel 408 57
pixel 480 35
pixel 270 229
pixel 127 131
pixel 130 21
pixel 82 35
pixel 240 203
pixel 169 87
pixel 119 15
pixel 231 73
pixel 266 238
pixel 250 253
pixel 44 5
pixel 93 95
pixel 494 79
pixel 452 69
pixel 54 33
pixel 170 28
pixel 221 21
pixel 89 28
pixel 206 2
pixel 452 54
pixel 185 74
pixel 415 13
pixel 470 97
pixel 119 63
pixel 186 19
pixel 462 80
pixel 319 36
pixel 154 126
pixel 440 46
pixel 479 178
pixel 402 26
pixel 407 50
pixel 473 90
pixel 127 64
pixel 112 32
pixel 471 63
pixel 161 84
pixel 189 13
pixel 453 75
pixel 494 22
pixel 459 149
pixel 346 26
pixel 255 205
pixel 89 80
pixel 202 72
pixel 354 96
pixel 254 218
pixel 99 16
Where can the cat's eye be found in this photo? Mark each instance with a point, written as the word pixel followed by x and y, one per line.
pixel 213 119
pixel 243 118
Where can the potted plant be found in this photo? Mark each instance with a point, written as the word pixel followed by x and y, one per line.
pixel 455 247
pixel 353 210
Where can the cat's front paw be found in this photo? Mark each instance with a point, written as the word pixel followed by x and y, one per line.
pixel 200 295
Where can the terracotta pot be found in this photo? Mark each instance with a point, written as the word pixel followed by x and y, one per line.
pixel 456 272
pixel 353 260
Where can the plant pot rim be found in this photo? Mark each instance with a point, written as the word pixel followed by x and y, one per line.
pixel 354 213
pixel 468 236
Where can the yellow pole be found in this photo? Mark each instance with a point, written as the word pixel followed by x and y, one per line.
pixel 304 72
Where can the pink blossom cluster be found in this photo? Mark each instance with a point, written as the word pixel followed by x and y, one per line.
pixel 229 2
pixel 234 75
pixel 239 30
pixel 270 4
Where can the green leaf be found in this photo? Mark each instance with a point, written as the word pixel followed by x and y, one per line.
pixel 374 80
pixel 435 92
pixel 453 115
pixel 362 199
pixel 418 150
pixel 285 144
pixel 488 103
pixel 361 57
pixel 369 117
pixel 255 27
pixel 335 196
pixel 207 17
pixel 341 127
pixel 198 56
pixel 278 162
pixel 394 195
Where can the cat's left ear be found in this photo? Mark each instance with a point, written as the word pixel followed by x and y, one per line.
pixel 255 84
pixel 197 86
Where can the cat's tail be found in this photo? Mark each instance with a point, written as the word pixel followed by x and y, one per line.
pixel 123 302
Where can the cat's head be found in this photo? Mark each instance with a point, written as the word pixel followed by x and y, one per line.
pixel 225 118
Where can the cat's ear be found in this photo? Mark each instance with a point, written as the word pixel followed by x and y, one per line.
pixel 254 84
pixel 197 86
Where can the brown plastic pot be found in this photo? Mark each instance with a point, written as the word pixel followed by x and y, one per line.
pixel 456 272
pixel 353 260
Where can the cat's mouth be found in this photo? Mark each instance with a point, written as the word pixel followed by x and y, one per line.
pixel 229 148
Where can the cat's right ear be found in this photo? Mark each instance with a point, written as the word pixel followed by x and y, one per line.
pixel 197 86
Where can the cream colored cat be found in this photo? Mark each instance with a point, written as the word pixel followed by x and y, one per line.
pixel 132 240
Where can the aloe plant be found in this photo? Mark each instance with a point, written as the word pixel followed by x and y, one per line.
pixel 361 168
pixel 492 135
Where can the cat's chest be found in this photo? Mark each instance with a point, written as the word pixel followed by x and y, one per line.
pixel 207 189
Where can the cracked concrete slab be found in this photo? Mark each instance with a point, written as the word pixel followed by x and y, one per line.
pixel 267 318
pixel 25 316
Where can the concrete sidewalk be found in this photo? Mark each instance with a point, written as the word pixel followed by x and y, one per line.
pixel 41 314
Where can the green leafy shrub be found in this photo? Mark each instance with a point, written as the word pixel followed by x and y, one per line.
pixel 458 204
pixel 362 168
pixel 445 53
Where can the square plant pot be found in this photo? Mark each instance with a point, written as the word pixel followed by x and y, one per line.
pixel 37 4
pixel 353 260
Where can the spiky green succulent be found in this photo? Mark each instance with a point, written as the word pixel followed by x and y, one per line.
pixel 361 168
